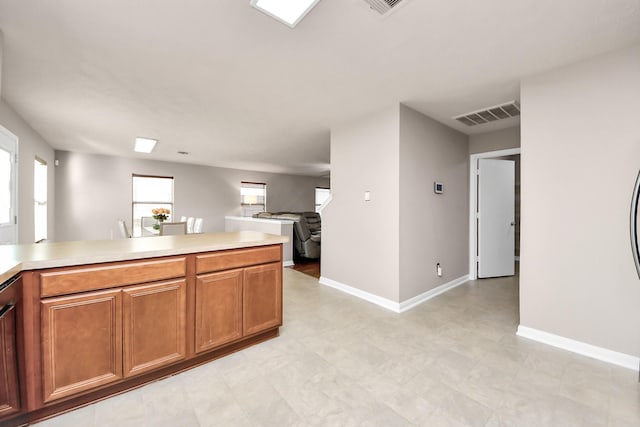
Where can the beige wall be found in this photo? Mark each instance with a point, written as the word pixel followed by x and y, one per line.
pixel 30 145
pixel 434 228
pixel 94 191
pixel 494 141
pixel 389 246
pixel 580 158
pixel 360 242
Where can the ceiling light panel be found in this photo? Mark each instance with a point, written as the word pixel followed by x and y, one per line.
pixel 145 145
pixel 289 12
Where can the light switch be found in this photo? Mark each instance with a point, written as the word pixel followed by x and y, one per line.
pixel 367 196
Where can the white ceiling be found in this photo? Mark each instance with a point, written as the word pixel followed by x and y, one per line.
pixel 235 88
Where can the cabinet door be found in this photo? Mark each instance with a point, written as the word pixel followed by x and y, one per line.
pixel 262 298
pixel 218 309
pixel 154 325
pixel 81 342
pixel 9 389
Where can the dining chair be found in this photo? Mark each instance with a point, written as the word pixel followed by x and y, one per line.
pixel 124 232
pixel 190 222
pixel 198 225
pixel 173 228
pixel 146 225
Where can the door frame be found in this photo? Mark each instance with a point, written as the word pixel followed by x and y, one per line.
pixel 6 133
pixel 473 203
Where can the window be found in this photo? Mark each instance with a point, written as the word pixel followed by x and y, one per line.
pixel 40 200
pixel 322 195
pixel 253 197
pixel 150 192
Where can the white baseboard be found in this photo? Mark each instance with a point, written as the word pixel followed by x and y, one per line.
pixel 382 302
pixel 599 353
pixel 288 264
pixel 387 303
pixel 419 299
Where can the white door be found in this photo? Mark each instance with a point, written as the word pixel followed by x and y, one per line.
pixel 8 187
pixel 496 218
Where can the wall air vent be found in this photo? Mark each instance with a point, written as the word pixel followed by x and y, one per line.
pixel 383 6
pixel 491 114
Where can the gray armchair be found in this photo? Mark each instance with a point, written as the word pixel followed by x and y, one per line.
pixel 307 228
pixel 313 222
pixel 306 243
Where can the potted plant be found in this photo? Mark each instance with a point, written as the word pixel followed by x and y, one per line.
pixel 160 215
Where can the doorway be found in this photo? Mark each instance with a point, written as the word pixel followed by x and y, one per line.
pixel 513 153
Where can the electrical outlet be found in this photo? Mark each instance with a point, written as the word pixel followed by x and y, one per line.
pixel 439 270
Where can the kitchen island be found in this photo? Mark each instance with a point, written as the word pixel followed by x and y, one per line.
pixel 97 318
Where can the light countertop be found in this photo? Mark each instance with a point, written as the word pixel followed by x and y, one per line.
pixel 8 269
pixel 16 258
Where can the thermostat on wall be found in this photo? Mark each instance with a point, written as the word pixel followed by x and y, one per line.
pixel 438 187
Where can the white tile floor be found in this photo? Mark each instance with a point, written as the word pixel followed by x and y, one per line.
pixel 340 361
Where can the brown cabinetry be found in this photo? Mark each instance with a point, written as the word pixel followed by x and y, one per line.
pixel 81 342
pixel 9 387
pixel 241 296
pixel 12 398
pixel 262 298
pixel 91 331
pixel 154 325
pixel 218 309
pixel 100 337
pixel 90 339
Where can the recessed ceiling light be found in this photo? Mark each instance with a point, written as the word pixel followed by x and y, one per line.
pixel 145 145
pixel 289 12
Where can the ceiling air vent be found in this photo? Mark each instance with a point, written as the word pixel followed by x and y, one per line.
pixel 491 114
pixel 383 6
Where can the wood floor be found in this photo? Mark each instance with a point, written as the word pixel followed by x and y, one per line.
pixel 309 267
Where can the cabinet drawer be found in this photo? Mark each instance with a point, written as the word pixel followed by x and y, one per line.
pixel 225 260
pixel 96 277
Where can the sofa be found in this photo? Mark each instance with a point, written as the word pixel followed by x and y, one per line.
pixel 307 231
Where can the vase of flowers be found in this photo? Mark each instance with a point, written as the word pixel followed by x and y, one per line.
pixel 160 215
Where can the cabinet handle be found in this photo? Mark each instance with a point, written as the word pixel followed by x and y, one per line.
pixel 634 221
pixel 6 309
pixel 8 283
